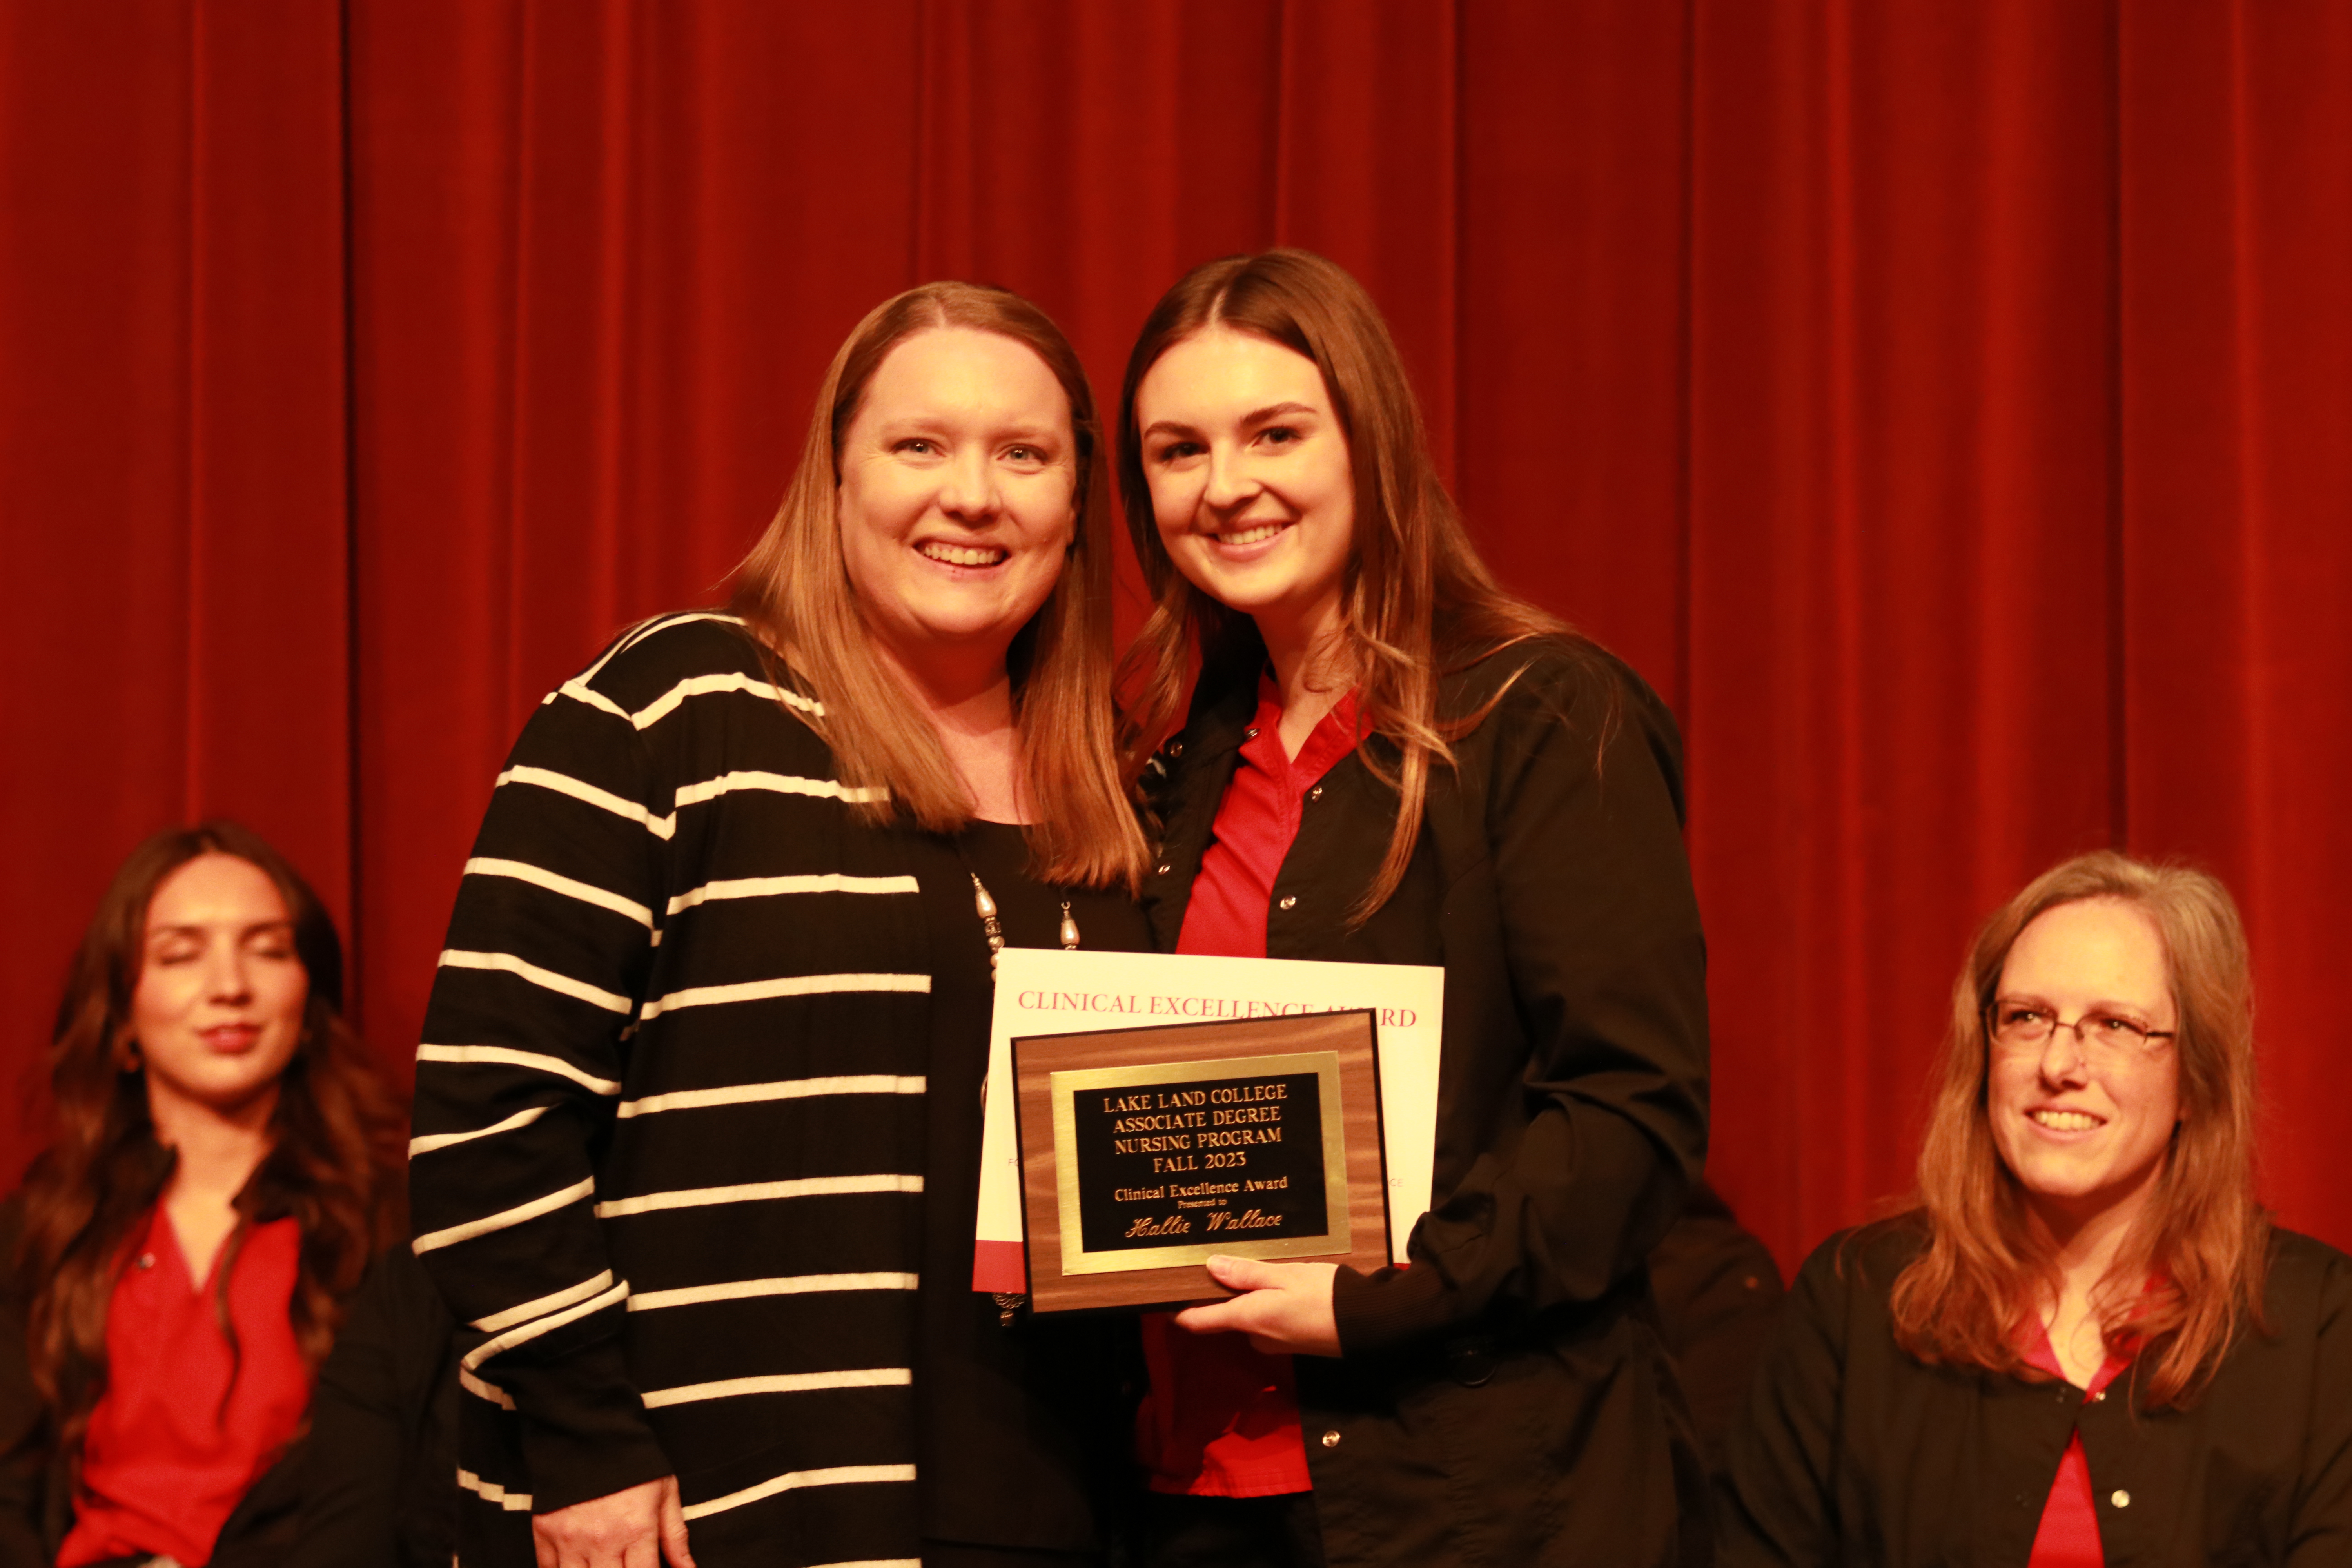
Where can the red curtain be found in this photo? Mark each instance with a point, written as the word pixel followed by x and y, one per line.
pixel 1949 408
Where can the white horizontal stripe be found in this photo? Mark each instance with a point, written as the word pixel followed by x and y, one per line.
pixel 490 1491
pixel 579 691
pixel 489 1390
pixel 552 1301
pixel 578 687
pixel 653 623
pixel 753 1191
pixel 426 1144
pixel 783 1284
pixel 546 979
pixel 564 784
pixel 842 1474
pixel 779 1383
pixel 524 871
pixel 788 985
pixel 649 626
pixel 585 1188
pixel 662 707
pixel 507 1056
pixel 750 1093
pixel 781 783
pixel 875 1562
pixel 769 887
pixel 549 1324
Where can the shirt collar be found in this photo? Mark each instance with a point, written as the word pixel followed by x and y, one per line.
pixel 1333 737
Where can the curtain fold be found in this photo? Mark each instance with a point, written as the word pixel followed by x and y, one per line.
pixel 173 466
pixel 1948 409
pixel 2236 582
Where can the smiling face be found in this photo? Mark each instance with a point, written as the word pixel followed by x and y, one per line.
pixel 958 497
pixel 1251 484
pixel 2084 1128
pixel 217 1011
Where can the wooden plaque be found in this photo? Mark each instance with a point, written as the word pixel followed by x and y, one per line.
pixel 1145 1151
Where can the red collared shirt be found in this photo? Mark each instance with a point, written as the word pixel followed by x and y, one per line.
pixel 2069 1536
pixel 186 1426
pixel 1222 1420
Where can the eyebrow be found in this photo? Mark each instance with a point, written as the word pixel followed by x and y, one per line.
pixel 2112 1005
pixel 918 422
pixel 1255 416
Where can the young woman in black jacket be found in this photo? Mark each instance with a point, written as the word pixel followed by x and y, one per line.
pixel 1390 759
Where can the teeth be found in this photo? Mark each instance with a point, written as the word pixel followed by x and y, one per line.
pixel 1251 535
pixel 2064 1121
pixel 960 554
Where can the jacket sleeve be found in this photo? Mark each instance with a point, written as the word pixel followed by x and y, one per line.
pixel 1583 885
pixel 1773 1492
pixel 518 1080
pixel 379 1455
pixel 2323 1509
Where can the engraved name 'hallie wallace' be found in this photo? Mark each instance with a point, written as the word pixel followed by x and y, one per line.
pixel 1167 1164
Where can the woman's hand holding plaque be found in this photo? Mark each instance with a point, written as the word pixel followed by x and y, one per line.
pixel 1284 1308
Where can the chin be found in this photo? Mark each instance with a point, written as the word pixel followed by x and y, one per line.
pixel 1240 594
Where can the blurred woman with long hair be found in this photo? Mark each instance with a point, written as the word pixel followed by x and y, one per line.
pixel 222 1164
pixel 2085 1342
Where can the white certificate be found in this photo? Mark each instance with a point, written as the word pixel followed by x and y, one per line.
pixel 1048 991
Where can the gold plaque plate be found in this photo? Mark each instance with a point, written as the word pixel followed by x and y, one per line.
pixel 1146 1151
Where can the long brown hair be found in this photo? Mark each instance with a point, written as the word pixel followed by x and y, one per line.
pixel 1417 602
pixel 794 590
pixel 2203 1236
pixel 334 1165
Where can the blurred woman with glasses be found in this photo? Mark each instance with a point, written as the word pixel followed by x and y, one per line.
pixel 2087 1343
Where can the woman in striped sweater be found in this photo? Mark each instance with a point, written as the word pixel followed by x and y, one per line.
pixel 697 1108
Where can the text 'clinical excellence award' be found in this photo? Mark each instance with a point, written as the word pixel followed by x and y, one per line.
pixel 1145 1151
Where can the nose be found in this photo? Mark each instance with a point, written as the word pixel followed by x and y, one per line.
pixel 968 488
pixel 1228 481
pixel 226 979
pixel 2063 1055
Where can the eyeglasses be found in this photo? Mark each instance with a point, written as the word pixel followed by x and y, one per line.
pixel 2024 1026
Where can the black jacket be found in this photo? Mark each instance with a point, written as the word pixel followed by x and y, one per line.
pixel 376 1470
pixel 1506 1399
pixel 1718 1294
pixel 1851 1451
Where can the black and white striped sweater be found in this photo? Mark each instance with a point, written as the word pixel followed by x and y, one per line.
pixel 670 1123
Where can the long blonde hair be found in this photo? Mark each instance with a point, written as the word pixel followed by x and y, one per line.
pixel 794 592
pixel 1417 602
pixel 2203 1236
